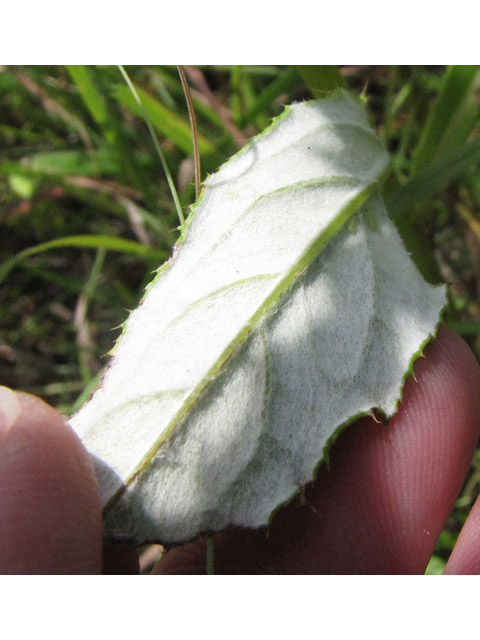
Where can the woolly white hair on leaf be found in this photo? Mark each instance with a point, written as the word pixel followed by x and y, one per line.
pixel 279 319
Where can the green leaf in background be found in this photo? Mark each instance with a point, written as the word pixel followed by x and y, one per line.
pixel 75 163
pixel 105 112
pixel 24 186
pixel 164 121
pixel 94 100
pixel 289 308
pixel 322 78
pixel 441 157
pixel 451 119
pixel 432 180
pixel 280 84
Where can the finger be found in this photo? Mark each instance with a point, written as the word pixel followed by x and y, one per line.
pixel 382 502
pixel 49 498
pixel 465 558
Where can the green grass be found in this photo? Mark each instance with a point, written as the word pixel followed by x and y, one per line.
pixel 86 212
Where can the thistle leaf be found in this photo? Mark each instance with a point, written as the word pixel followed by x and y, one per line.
pixel 289 308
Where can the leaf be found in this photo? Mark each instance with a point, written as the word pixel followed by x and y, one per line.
pixel 289 308
pixel 322 78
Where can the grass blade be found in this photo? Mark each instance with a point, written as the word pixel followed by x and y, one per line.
pixel 104 112
pixel 62 163
pixel 435 178
pixel 158 148
pixel 110 243
pixel 281 84
pixel 162 81
pixel 451 118
pixel 93 99
pixel 84 341
pixel 164 121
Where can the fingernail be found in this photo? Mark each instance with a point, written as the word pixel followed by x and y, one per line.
pixel 10 408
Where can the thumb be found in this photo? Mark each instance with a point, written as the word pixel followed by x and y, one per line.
pixel 50 511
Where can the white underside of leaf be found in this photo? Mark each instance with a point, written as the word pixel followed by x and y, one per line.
pixel 290 307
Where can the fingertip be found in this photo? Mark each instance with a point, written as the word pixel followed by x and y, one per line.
pixel 49 498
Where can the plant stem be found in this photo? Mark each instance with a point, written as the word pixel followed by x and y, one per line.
pixel 193 123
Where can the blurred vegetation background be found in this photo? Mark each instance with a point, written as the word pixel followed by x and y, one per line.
pixel 86 213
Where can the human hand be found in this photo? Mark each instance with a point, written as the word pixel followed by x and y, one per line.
pixel 377 507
